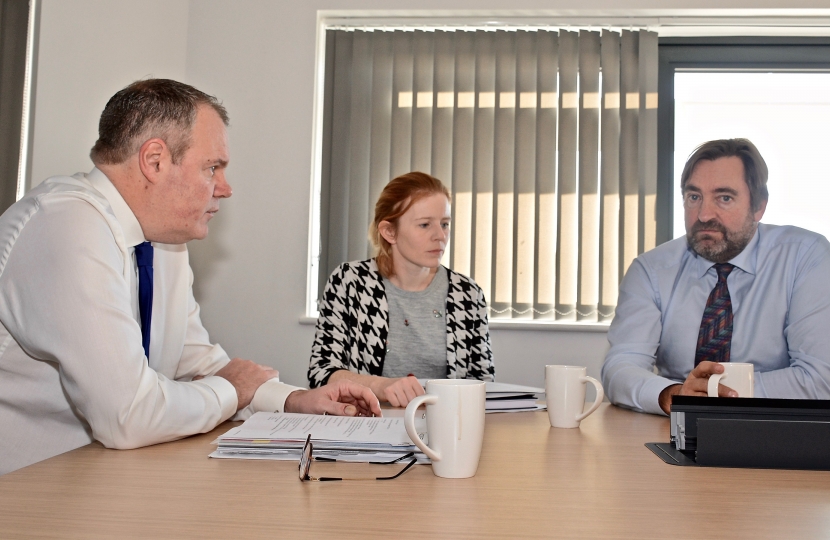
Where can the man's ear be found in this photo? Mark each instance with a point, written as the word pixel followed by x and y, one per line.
pixel 758 214
pixel 154 159
pixel 387 231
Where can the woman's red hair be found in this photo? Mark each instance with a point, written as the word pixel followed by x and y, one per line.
pixel 395 199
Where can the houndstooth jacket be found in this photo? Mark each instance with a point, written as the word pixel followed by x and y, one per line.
pixel 354 324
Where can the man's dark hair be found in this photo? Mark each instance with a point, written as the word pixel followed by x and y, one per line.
pixel 755 168
pixel 146 109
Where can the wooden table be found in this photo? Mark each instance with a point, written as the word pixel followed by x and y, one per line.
pixel 598 481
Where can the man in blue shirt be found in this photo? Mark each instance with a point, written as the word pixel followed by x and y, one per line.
pixel 769 286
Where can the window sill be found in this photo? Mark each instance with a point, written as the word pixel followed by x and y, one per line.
pixel 544 326
pixel 547 326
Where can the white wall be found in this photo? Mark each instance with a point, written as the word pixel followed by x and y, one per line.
pixel 88 50
pixel 258 57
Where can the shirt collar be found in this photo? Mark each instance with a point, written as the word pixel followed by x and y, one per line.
pixel 745 260
pixel 133 234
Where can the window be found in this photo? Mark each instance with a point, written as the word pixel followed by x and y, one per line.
pixel 18 26
pixel 773 91
pixel 432 99
pixel 546 138
pixel 785 114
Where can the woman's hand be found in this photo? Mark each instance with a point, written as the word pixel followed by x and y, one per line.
pixel 398 392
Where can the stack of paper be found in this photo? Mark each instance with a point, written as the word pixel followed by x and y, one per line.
pixel 502 397
pixel 281 436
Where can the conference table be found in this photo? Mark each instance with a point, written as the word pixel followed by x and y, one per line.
pixel 533 481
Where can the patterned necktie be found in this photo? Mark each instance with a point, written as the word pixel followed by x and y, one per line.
pixel 144 261
pixel 714 340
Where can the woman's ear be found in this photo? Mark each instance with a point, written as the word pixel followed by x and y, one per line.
pixel 387 231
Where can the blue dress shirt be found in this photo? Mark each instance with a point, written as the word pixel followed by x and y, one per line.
pixel 780 292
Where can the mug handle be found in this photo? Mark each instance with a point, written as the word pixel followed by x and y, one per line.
pixel 714 380
pixel 597 401
pixel 409 424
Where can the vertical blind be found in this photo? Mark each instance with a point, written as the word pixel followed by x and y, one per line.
pixel 546 139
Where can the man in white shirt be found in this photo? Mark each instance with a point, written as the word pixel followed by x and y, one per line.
pixel 94 346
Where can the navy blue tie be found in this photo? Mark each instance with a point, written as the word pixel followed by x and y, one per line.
pixel 144 261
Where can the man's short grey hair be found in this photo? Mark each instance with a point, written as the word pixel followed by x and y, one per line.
pixel 148 109
pixel 755 168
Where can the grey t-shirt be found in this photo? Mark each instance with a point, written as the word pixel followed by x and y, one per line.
pixel 417 341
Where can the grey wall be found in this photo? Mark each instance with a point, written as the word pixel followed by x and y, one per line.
pixel 88 50
pixel 258 56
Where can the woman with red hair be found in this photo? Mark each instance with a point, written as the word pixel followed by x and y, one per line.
pixel 402 313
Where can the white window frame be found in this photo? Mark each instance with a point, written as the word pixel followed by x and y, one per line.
pixel 667 23
pixel 24 167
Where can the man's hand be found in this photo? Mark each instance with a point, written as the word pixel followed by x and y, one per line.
pixel 398 392
pixel 246 377
pixel 340 398
pixel 696 384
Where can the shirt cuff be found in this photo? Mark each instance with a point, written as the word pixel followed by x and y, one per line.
pixel 271 396
pixel 650 394
pixel 225 393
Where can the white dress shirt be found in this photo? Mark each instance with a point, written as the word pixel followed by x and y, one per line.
pixel 72 367
pixel 780 293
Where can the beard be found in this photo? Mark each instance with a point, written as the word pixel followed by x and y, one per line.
pixel 728 247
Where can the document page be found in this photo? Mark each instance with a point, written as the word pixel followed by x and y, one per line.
pixel 264 426
pixel 506 388
pixel 497 388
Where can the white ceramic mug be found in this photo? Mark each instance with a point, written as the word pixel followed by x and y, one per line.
pixel 738 376
pixel 455 425
pixel 565 395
